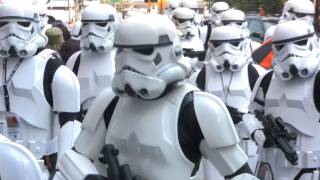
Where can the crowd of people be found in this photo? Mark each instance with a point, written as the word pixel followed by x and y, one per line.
pixel 176 96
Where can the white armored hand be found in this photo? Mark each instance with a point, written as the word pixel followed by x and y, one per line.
pixel 254 128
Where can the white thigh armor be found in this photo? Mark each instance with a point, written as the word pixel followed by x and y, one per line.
pixel 293 102
pixel 95 73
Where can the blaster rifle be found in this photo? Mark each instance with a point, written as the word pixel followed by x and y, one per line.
pixel 277 133
pixel 115 171
pixel 201 55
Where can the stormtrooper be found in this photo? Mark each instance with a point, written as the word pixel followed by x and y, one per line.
pixel 191 43
pixel 292 10
pixel 160 125
pixel 43 17
pixel 230 76
pixel 298 10
pixel 39 96
pixel 94 64
pixel 217 10
pixel 193 5
pixel 171 6
pixel 286 100
pixel 237 18
pixel 23 165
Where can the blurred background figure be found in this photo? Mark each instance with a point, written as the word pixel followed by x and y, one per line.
pixel 71 45
pixel 261 10
pixel 55 38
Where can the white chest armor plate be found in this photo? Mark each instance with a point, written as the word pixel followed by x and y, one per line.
pixel 30 119
pixel 232 88
pixel 146 134
pixel 293 101
pixel 95 73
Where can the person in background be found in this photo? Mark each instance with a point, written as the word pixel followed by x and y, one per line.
pixel 72 45
pixel 261 10
pixel 55 38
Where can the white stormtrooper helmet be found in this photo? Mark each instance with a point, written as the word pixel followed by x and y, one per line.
pixel 295 50
pixel 43 17
pixel 226 49
pixel 75 32
pixel 183 18
pixel 235 17
pixel 191 4
pixel 149 58
pixel 171 6
pixel 98 26
pixel 16 162
pixel 20 33
pixel 298 10
pixel 217 11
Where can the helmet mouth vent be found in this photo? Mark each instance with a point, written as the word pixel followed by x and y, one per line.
pixel 128 90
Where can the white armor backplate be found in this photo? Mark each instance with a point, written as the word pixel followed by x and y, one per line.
pixel 31 116
pixel 232 88
pixel 148 141
pixel 95 73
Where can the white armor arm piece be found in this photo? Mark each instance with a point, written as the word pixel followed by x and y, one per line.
pixel 220 144
pixel 78 163
pixel 66 104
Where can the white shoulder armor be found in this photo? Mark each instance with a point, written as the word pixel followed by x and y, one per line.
pixel 72 59
pixel 65 91
pixel 91 126
pixel 214 120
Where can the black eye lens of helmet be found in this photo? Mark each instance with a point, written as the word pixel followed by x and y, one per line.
pixel 144 51
pixel 302 42
pixel 236 43
pixel 239 23
pixel 216 44
pixel 225 23
pixel 104 24
pixel 24 24
pixel 84 24
pixel 3 23
pixel 300 15
pixel 279 47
